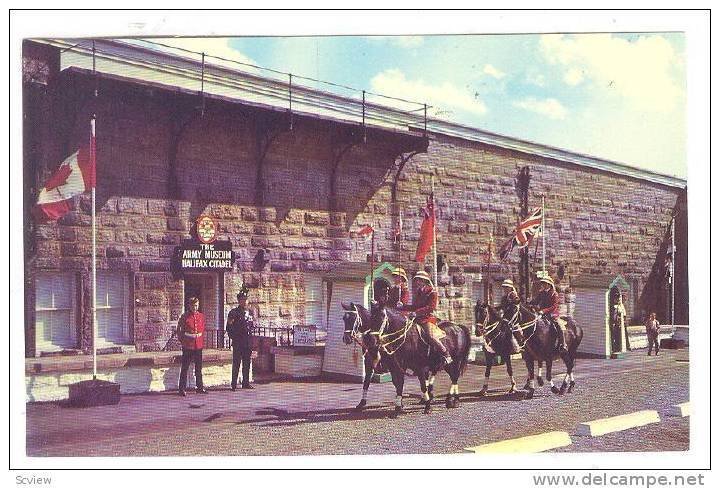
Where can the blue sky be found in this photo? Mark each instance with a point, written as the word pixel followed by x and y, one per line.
pixel 615 96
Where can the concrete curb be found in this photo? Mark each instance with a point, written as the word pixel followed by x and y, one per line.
pixel 603 426
pixel 526 444
pixel 679 410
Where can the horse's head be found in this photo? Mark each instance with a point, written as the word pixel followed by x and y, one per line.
pixel 353 322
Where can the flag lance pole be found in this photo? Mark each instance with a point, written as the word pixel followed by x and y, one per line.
pixel 372 263
pixel 542 230
pixel 434 221
pixel 94 225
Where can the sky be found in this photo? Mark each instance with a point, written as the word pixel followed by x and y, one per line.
pixel 620 97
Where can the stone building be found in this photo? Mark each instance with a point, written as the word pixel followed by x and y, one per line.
pixel 289 188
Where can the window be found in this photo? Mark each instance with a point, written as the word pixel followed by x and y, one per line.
pixel 55 305
pixel 314 301
pixel 112 308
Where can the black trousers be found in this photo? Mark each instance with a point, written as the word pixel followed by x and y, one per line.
pixel 653 341
pixel 188 356
pixel 241 355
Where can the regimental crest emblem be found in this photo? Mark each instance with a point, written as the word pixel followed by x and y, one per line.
pixel 206 229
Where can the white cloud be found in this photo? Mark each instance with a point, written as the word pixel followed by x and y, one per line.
pixel 642 71
pixel 537 79
pixel 489 69
pixel 211 46
pixel 548 107
pixel 444 98
pixel 574 76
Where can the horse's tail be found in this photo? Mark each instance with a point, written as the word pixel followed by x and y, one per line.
pixel 464 343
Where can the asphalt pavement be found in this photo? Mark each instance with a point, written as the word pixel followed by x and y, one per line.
pixel 315 417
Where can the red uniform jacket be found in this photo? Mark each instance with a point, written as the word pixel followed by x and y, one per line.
pixel 549 303
pixel 400 294
pixel 425 304
pixel 191 330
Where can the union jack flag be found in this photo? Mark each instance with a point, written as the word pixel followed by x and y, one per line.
pixel 529 228
pixel 525 231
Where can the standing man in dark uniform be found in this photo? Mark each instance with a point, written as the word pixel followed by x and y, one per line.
pixel 240 327
pixel 191 331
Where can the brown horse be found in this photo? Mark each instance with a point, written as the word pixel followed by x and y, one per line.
pixel 403 347
pixel 541 345
pixel 489 325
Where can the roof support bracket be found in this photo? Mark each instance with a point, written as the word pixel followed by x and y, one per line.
pixel 267 131
pixel 340 144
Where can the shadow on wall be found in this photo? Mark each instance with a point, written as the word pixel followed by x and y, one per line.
pixel 656 293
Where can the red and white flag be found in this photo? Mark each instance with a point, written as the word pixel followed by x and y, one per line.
pixel 529 228
pixel 366 230
pixel 74 176
pixel 427 230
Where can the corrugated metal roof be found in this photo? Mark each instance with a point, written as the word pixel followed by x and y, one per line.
pixel 151 65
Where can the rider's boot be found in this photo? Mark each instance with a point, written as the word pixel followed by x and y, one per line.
pixel 561 336
pixel 440 348
pixel 515 340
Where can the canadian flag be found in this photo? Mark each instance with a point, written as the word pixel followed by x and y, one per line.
pixel 74 176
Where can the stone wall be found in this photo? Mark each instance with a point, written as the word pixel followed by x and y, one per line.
pixel 150 194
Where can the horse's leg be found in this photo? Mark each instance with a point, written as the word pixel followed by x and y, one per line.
pixel 568 368
pixel 530 385
pixel 549 362
pixel 571 356
pixel 488 367
pixel 370 364
pixel 422 377
pixel 540 380
pixel 508 366
pixel 398 378
pixel 453 398
pixel 430 384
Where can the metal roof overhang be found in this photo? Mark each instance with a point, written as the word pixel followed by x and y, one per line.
pixel 405 141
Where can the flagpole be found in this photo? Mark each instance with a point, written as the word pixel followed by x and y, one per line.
pixel 372 263
pixel 672 274
pixel 94 229
pixel 434 216
pixel 543 234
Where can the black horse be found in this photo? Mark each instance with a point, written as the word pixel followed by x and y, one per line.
pixel 541 345
pixel 402 347
pixel 357 321
pixel 490 326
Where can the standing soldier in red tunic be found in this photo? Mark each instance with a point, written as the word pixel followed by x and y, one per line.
pixel 191 331
pixel 423 308
pixel 400 293
pixel 548 303
pixel 510 305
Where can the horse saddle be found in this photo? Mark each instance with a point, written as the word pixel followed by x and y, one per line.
pixel 433 328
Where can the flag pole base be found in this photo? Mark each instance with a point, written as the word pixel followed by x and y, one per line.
pixel 89 393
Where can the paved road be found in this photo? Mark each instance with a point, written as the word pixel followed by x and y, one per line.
pixel 316 418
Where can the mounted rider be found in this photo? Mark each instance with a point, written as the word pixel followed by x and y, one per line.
pixel 510 307
pixel 548 303
pixel 422 309
pixel 400 292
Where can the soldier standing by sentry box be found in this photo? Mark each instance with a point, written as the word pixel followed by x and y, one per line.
pixel 240 327
pixel 191 331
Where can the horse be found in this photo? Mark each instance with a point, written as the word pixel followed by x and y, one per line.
pixel 402 346
pixel 357 319
pixel 542 345
pixel 489 325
